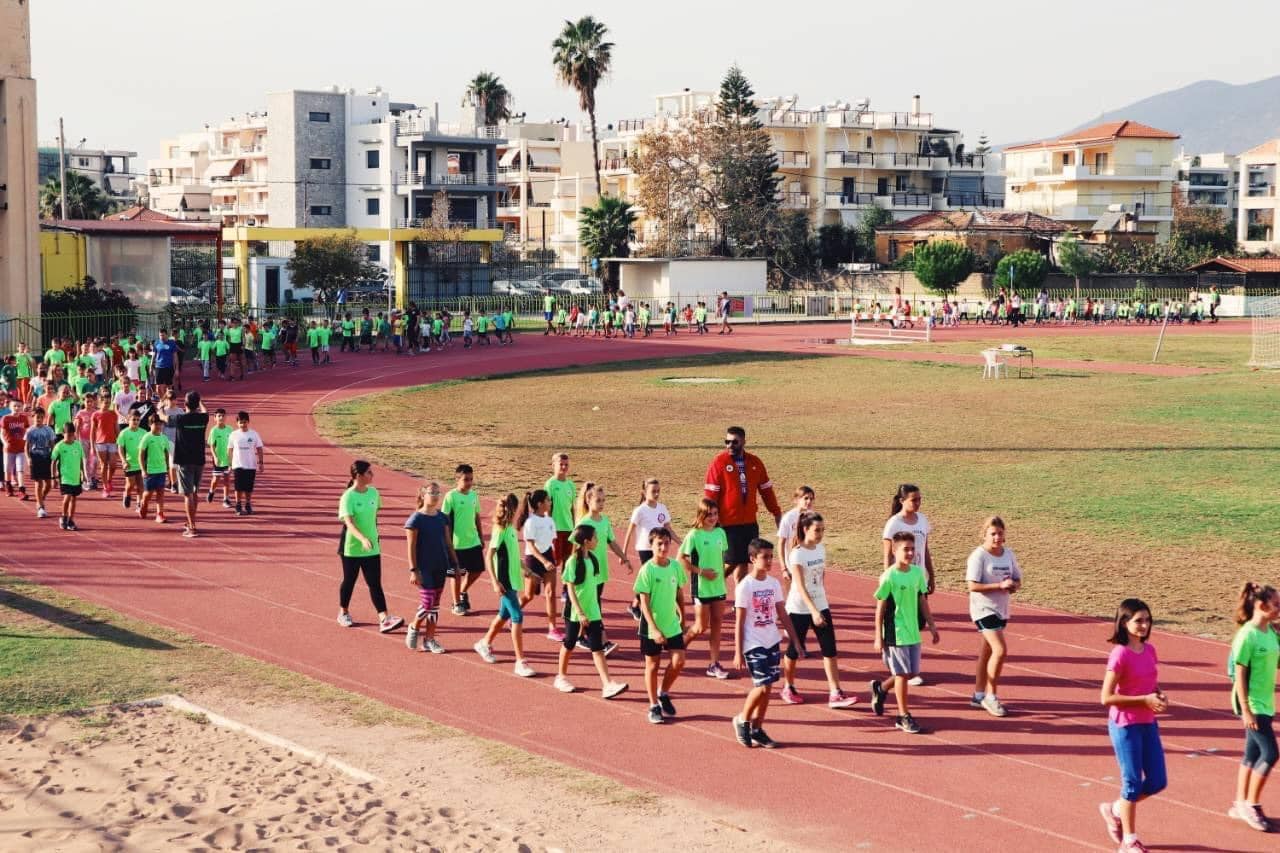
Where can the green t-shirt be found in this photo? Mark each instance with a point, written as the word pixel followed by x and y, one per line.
pixel 221 347
pixel 604 535
pixel 81 384
pixel 903 589
pixel 60 414
pixel 268 339
pixel 510 319
pixel 482 324
pixel 506 555
pixel 235 334
pixel 24 365
pixel 363 509
pixel 55 356
pixel 219 440
pixel 437 326
pixel 562 494
pixel 582 574
pixel 1258 649
pixel 325 334
pixel 69 457
pixel 366 327
pixel 548 303
pixel 155 451
pixel 706 548
pixel 206 349
pixel 462 511
pixel 144 366
pixel 313 338
pixel 700 314
pixel 662 585
pixel 129 442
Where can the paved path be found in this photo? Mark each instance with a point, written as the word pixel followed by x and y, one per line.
pixel 266 586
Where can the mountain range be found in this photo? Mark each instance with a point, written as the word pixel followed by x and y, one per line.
pixel 1209 114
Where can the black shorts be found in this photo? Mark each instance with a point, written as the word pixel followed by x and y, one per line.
pixel 650 649
pixel 535 568
pixel 991 622
pixel 243 479
pixel 164 375
pixel 826 635
pixel 236 349
pixel 70 490
pixel 41 468
pixel 701 599
pixel 471 560
pixel 739 536
pixel 593 631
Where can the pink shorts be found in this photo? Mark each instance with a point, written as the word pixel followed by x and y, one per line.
pixel 428 600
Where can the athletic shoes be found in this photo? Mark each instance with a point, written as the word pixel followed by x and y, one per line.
pixel 209 497
pixel 916 681
pixel 908 724
pixel 248 509
pixel 161 518
pixel 563 684
pixel 763 740
pixel 583 644
pixel 486 653
pixel 523 670
pixel 387 624
pixel 459 610
pixel 189 533
pixel 1251 815
pixel 877 697
pixel 465 601
pixel 128 499
pixel 635 612
pixel 717 671
pixel 655 715
pixel 411 639
pixel 975 701
pixel 668 707
pixel 41 512
pixel 838 699
pixel 433 646
pixel 239 509
pixel 62 523
pixel 1134 846
pixel 613 689
pixel 344 619
pixel 742 731
pixel 1114 828
pixel 609 648
pixel 790 696
pixel 226 502
pixel 555 635
pixel 993 706
pixel 22 492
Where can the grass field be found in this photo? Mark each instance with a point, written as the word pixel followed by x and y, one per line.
pixel 1112 485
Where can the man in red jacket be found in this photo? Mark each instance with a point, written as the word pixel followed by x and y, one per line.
pixel 733 480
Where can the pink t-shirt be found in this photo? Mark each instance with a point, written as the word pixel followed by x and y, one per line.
pixel 1136 675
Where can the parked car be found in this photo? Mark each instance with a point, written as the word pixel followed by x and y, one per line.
pixel 582 286
pixel 182 296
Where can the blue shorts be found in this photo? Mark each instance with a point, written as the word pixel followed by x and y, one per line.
pixel 547 316
pixel 509 607
pixel 154 482
pixel 765 665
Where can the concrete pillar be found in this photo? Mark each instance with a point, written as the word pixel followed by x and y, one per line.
pixel 1242 214
pixel 400 252
pixel 241 253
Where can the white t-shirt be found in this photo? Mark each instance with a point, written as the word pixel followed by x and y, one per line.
pixel 122 402
pixel 646 518
pixel 920 530
pixel 467 326
pixel 244 445
pixel 131 368
pixel 760 600
pixel 787 525
pixel 99 358
pixel 539 534
pixel 814 562
pixel 985 567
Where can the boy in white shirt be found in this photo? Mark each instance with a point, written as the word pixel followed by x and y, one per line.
pixel 759 610
pixel 246 462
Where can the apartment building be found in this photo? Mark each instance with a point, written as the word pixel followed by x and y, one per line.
pixel 1209 180
pixel 838 160
pixel 545 170
pixel 1080 178
pixel 1259 199
pixel 175 182
pixel 110 170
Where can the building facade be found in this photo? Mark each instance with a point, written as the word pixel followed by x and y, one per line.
pixel 1209 180
pixel 175 181
pixel 1117 167
pixel 545 170
pixel 1259 200
pixel 110 170
pixel 19 195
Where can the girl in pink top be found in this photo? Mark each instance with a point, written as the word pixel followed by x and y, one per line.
pixel 1131 692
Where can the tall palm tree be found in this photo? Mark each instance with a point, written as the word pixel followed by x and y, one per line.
pixel 605 230
pixel 582 58
pixel 84 199
pixel 488 90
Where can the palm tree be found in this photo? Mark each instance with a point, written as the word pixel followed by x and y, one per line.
pixel 84 199
pixel 582 58
pixel 488 90
pixel 605 230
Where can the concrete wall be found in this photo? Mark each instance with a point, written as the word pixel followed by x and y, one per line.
pixel 19 236
pixel 292 140
pixel 692 280
pixel 63 261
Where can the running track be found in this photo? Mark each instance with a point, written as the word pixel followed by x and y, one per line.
pixel 265 587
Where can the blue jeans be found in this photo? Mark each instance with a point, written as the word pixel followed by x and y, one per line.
pixel 1141 759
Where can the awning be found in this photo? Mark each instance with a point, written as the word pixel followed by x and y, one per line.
pixel 225 168
pixel 509 156
pixel 544 156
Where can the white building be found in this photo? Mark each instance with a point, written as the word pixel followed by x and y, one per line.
pixel 175 183
pixel 546 172
pixel 1259 200
pixel 1209 180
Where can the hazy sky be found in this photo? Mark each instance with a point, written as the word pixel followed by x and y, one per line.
pixel 131 72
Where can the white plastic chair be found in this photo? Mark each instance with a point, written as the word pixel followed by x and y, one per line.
pixel 991 366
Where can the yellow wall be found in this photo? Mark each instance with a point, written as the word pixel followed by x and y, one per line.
pixel 63 262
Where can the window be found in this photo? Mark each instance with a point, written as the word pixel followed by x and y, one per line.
pixel 935 185
pixel 374 251
pixel 321 210
pixel 871 143
pixel 321 163
pixel 83 161
pixel 318 116
pixel 372 206
pixel 900 183
pixel 372 158
pixel 1066 158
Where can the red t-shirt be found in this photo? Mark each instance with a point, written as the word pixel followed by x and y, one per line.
pixel 104 426
pixel 15 426
pixel 724 485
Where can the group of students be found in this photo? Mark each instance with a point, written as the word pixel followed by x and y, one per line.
pixel 415 332
pixel 619 318
pixel 561 532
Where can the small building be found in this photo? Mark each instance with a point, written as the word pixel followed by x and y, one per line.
pixel 1259 200
pixel 992 233
pixel 1257 272
pixel 689 280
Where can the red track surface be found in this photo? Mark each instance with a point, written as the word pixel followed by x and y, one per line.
pixel 266 586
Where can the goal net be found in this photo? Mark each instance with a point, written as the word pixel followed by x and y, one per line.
pixel 1265 314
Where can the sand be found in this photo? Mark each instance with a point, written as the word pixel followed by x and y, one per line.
pixel 155 779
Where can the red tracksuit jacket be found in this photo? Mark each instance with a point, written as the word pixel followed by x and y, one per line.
pixel 724 487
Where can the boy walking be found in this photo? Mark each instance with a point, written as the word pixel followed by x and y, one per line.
pixel 759 610
pixel 659 584
pixel 246 462
pixel 900 602
pixel 462 509
pixel 69 466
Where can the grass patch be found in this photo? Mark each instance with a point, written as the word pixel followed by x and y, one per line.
pixel 1112 484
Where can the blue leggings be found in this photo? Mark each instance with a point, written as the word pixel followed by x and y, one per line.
pixel 1141 759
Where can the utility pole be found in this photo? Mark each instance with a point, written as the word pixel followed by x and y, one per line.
pixel 62 167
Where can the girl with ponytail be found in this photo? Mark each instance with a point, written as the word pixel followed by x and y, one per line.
pixel 361 553
pixel 1254 653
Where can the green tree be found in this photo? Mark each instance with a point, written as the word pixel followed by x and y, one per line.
pixel 984 147
pixel 872 218
pixel 582 58
pixel 1075 260
pixel 487 90
pixel 84 199
pixel 837 244
pixel 941 265
pixel 1024 269
pixel 792 251
pixel 328 264
pixel 744 168
pixel 605 232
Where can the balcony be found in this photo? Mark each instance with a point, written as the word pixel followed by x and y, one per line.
pixel 978 162
pixel 480 222
pixel 850 201
pixel 421 127
pixel 1261 191
pixel 236 152
pixel 870 120
pixel 1082 172
pixel 615 166
pixel 510 173
pixel 909 201
pixel 792 159
pixel 793 201
pixel 636 125
pixel 791 118
pixel 961 200
pixel 851 159
pixel 415 180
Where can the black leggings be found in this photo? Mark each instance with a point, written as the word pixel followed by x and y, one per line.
pixel 372 569
pixel 803 623
pixel 1260 752
pixel 594 632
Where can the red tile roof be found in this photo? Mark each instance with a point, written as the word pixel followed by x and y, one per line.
pixel 1100 133
pixel 140 212
pixel 1246 265
pixel 979 219
pixel 139 227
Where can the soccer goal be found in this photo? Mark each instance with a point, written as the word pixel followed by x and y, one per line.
pixel 1265 314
